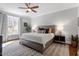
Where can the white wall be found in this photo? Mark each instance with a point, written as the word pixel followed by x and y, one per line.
pixel 67 18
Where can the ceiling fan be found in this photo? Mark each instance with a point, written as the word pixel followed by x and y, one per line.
pixel 29 7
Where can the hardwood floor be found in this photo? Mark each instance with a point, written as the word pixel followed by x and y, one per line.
pixel 57 49
pixel 15 49
pixel 72 51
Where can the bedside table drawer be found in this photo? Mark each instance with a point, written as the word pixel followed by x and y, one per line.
pixel 59 38
pixel 62 38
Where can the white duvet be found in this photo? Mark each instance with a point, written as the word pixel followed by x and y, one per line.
pixel 37 37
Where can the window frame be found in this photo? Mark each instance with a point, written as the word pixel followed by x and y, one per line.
pixel 18 20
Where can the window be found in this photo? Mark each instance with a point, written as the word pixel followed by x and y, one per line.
pixel 13 25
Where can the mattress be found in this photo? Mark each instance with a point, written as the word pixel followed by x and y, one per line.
pixel 37 37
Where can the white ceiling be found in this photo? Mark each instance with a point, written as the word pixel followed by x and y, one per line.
pixel 44 8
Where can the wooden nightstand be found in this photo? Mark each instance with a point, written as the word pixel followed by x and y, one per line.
pixel 59 38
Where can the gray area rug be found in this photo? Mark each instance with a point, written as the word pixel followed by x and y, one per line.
pixel 13 48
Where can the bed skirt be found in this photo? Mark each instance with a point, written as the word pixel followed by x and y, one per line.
pixel 36 46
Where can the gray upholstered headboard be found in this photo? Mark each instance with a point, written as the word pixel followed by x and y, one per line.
pixel 47 28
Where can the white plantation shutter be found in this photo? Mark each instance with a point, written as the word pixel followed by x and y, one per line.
pixel 13 25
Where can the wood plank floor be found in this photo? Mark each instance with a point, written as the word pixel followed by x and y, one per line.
pixel 72 51
pixel 57 49
pixel 15 49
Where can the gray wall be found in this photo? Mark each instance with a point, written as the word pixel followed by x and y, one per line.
pixel 4 26
pixel 68 18
pixel 78 20
pixel 55 18
pixel 1 20
pixel 4 31
pixel 22 21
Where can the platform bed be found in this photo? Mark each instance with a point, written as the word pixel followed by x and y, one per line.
pixel 39 41
pixel 36 46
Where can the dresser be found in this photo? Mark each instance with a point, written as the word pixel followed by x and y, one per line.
pixel 0 45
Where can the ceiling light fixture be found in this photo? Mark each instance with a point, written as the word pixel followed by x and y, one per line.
pixel 29 7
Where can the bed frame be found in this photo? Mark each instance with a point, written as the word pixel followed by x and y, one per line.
pixel 37 46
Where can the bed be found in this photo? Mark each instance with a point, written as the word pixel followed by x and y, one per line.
pixel 37 41
pixel 41 39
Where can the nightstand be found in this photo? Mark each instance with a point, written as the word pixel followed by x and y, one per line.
pixel 59 38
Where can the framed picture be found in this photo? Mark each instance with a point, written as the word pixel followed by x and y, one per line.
pixel 25 24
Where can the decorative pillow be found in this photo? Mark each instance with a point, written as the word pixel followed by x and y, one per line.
pixel 41 31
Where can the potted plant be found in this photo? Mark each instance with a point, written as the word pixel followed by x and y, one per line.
pixel 74 40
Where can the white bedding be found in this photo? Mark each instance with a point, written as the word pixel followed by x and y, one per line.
pixel 38 37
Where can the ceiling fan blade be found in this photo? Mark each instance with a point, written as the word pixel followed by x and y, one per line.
pixel 34 10
pixel 22 7
pixel 34 7
pixel 27 4
pixel 27 11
